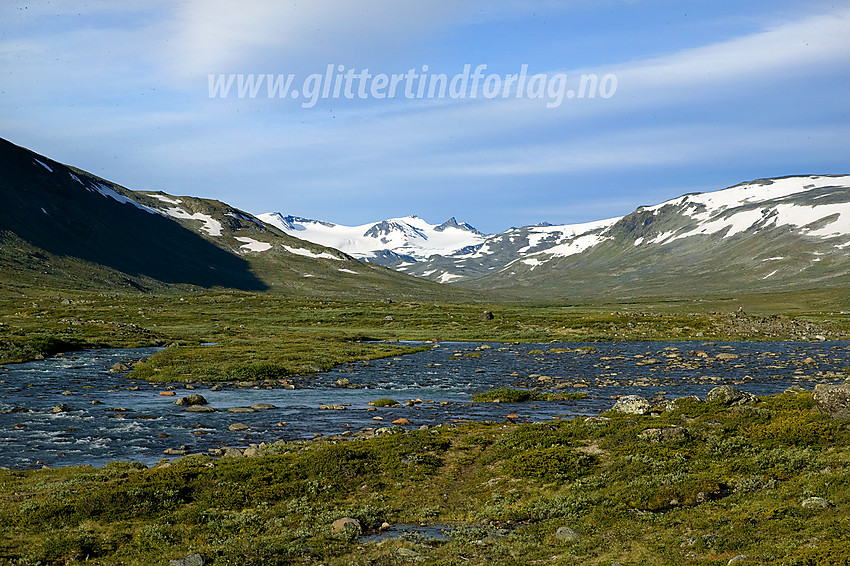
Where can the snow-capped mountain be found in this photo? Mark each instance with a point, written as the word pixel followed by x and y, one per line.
pixel 769 233
pixel 782 233
pixel 390 242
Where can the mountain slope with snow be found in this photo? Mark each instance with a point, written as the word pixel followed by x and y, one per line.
pixel 768 234
pixel 788 232
pixel 386 242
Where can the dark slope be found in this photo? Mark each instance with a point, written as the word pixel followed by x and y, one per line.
pixel 61 217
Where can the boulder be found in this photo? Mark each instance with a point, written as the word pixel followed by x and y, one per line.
pixel 487 315
pixel 199 409
pixel 729 395
pixel 189 400
pixel 345 524
pixel 238 426
pixel 120 367
pixel 632 404
pixel 815 503
pixel 566 534
pixel 182 451
pixel 402 422
pixel 191 560
pixel 833 400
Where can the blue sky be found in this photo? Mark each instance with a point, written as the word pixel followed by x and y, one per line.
pixel 708 94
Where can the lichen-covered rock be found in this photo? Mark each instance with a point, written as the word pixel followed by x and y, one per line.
pixel 191 560
pixel 567 534
pixel 833 400
pixel 729 395
pixel 632 404
pixel 815 503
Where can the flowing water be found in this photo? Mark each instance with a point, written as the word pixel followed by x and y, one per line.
pixel 111 417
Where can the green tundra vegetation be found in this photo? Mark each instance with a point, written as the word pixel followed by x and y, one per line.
pixel 262 336
pixel 767 483
pixel 701 484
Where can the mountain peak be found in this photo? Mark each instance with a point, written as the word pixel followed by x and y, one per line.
pixel 453 223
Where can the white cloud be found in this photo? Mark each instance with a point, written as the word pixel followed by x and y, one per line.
pixel 222 36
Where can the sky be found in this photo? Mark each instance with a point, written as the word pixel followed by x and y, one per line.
pixel 688 97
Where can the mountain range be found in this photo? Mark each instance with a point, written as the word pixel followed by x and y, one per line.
pixel 768 234
pixel 63 227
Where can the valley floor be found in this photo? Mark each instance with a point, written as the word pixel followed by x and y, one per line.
pixel 702 483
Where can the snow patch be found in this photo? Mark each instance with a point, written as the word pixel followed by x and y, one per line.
pixel 771 273
pixel 211 226
pixel 348 271
pixel 308 253
pixel 108 192
pixel 448 277
pixel 252 245
pixel 45 165
pixel 75 178
pixel 164 198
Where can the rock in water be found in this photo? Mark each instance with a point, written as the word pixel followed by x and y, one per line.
pixel 729 395
pixel 61 408
pixel 632 404
pixel 199 409
pixel 833 400
pixel 193 399
pixel 120 367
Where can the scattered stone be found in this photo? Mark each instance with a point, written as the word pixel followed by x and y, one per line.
pixel 815 503
pixel 487 315
pixel 216 387
pixel 120 367
pixel 726 356
pixel 238 426
pixel 332 407
pixel 189 400
pixel 241 410
pixel 182 451
pixel 199 409
pixel 345 524
pixel 729 395
pixel 263 406
pixel 66 393
pixel 632 404
pixel 191 560
pixel 402 422
pixel 343 382
pixel 833 400
pixel 385 526
pixel 61 408
pixel 566 534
